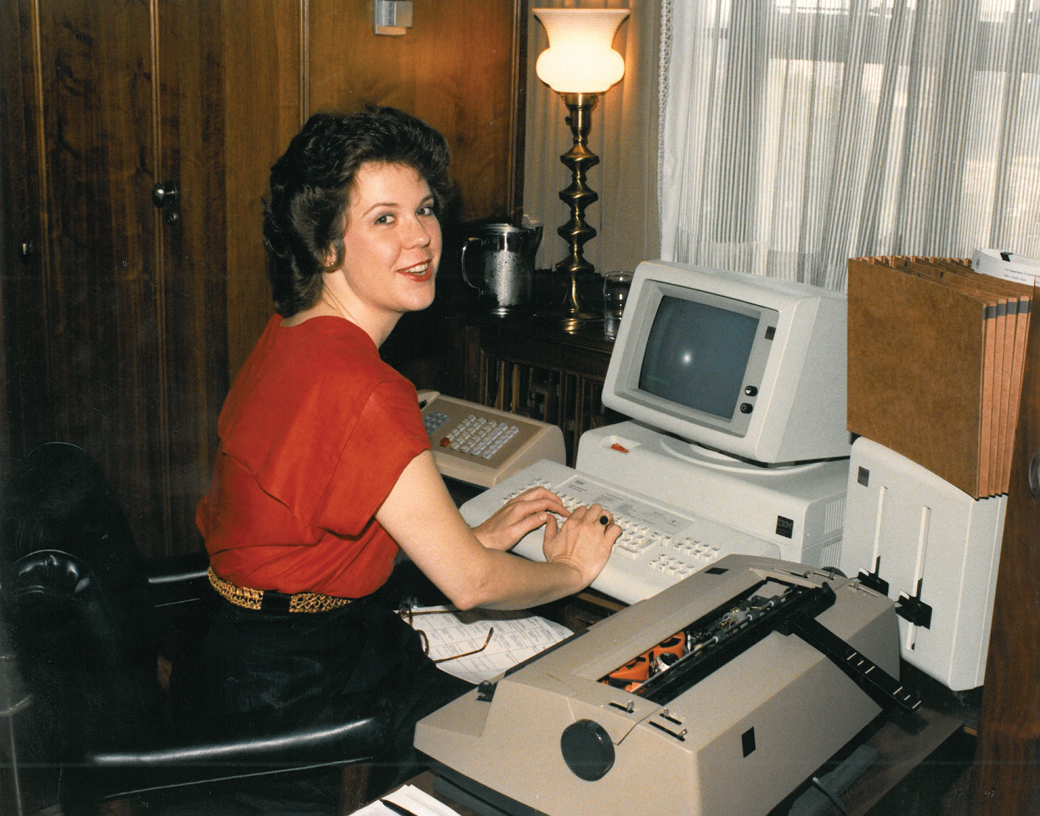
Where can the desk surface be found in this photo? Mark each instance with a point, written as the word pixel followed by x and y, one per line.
pixel 899 754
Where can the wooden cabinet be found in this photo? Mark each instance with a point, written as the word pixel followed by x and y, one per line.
pixel 124 321
pixel 1007 778
pixel 109 310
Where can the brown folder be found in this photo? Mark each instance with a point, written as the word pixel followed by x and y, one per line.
pixel 995 330
pixel 917 368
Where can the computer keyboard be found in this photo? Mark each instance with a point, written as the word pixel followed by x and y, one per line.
pixel 659 544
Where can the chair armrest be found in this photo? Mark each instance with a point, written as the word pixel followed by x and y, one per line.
pixel 352 731
pixel 181 579
pixel 182 599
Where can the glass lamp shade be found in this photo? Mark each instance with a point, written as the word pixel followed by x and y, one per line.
pixel 580 58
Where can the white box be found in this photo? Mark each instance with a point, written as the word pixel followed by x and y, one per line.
pixel 937 549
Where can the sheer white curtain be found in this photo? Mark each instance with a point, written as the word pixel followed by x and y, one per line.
pixel 799 133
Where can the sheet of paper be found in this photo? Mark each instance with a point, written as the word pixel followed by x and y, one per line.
pixel 411 798
pixel 516 637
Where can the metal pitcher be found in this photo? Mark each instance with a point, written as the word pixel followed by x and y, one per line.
pixel 507 264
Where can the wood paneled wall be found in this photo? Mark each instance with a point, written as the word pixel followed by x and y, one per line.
pixel 123 323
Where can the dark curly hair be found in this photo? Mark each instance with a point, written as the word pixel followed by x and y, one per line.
pixel 305 209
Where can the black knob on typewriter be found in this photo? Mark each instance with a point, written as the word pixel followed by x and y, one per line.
pixel 587 749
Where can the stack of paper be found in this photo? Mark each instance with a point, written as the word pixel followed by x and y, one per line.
pixel 482 644
pixel 935 357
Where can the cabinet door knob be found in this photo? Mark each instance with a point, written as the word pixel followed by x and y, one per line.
pixel 163 192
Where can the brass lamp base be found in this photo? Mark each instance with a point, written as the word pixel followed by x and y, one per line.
pixel 577 196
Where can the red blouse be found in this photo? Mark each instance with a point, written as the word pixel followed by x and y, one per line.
pixel 313 436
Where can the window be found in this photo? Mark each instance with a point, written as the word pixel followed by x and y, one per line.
pixel 800 133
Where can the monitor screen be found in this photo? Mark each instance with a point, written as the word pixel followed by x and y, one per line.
pixel 696 355
pixel 750 366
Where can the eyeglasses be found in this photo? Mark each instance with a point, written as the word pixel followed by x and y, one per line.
pixel 408 615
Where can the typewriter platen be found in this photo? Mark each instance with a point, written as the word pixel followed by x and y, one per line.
pixel 720 695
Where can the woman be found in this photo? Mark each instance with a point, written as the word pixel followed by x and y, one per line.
pixel 324 469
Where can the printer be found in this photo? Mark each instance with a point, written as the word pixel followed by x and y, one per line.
pixel 719 695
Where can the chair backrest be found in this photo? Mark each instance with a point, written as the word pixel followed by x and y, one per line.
pixel 74 596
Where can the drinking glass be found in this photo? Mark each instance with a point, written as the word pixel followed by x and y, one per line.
pixel 615 295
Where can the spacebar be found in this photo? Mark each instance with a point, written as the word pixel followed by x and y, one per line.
pixel 615 581
pixel 629 587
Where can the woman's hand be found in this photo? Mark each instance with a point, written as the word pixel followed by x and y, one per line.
pixel 473 572
pixel 583 542
pixel 519 516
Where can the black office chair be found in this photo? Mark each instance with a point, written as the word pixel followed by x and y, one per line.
pixel 86 624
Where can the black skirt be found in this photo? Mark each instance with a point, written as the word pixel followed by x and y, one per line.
pixel 257 660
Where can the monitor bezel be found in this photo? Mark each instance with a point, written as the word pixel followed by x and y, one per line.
pixel 739 420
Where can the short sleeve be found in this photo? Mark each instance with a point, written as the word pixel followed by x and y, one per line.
pixel 389 433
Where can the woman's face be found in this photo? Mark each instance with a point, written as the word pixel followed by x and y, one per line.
pixel 392 244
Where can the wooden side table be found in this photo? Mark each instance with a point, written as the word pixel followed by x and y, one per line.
pixel 534 368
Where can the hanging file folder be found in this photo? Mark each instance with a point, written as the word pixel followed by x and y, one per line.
pixel 935 365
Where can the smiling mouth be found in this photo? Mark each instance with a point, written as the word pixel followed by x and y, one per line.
pixel 419 272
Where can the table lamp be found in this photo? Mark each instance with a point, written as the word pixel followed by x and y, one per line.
pixel 579 64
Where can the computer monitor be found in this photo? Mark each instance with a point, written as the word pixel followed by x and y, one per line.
pixel 750 366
